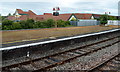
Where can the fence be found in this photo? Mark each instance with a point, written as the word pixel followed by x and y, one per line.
pixel 113 22
pixel 85 22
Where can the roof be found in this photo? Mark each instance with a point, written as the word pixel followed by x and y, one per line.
pixel 32 15
pixel 23 17
pixel 96 15
pixel 21 12
pixel 83 16
pixel 47 13
pixel 63 17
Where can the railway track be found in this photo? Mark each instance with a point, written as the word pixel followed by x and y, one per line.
pixel 112 65
pixel 44 63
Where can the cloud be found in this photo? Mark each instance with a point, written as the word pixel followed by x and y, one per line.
pixel 37 7
pixel 66 6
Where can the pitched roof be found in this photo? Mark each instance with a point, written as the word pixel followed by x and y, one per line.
pixel 83 16
pixel 21 12
pixel 23 17
pixel 96 15
pixel 63 17
pixel 47 13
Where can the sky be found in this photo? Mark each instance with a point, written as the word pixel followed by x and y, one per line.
pixel 66 6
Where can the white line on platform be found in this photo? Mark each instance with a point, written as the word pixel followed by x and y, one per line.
pixel 51 41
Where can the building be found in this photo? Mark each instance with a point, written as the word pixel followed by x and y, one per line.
pixel 84 16
pixel 22 15
pixel 84 19
pixel 20 12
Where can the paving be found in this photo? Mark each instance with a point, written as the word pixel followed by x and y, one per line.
pixel 39 40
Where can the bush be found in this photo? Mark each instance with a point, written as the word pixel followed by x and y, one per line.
pixel 30 21
pixel 60 23
pixel 67 23
pixel 39 24
pixel 30 24
pixel 7 27
pixel 16 25
pixel 23 24
pixel 50 23
pixel 103 19
pixel 7 22
pixel 27 24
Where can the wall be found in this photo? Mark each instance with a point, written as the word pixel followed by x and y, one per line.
pixel 85 22
pixel 113 22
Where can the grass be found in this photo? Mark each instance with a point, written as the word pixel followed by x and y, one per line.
pixel 23 35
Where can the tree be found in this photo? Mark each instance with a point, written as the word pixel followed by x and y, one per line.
pixel 26 24
pixel 112 18
pixel 7 22
pixel 30 21
pixel 16 25
pixel 23 24
pixel 50 23
pixel 0 19
pixel 60 23
pixel 39 24
pixel 103 19
pixel 67 23
pixel 9 14
pixel 4 18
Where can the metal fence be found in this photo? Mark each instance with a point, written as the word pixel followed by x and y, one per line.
pixel 85 22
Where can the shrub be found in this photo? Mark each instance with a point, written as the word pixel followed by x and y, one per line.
pixel 30 24
pixel 50 23
pixel 103 19
pixel 60 23
pixel 7 22
pixel 16 25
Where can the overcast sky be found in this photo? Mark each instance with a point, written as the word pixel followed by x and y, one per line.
pixel 66 6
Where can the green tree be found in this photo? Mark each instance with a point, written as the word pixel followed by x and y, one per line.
pixel 50 23
pixel 39 24
pixel 44 24
pixel 112 18
pixel 103 19
pixel 60 23
pixel 27 24
pixel 7 27
pixel 9 14
pixel 16 25
pixel 0 19
pixel 4 18
pixel 30 23
pixel 7 22
pixel 23 24
pixel 67 23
